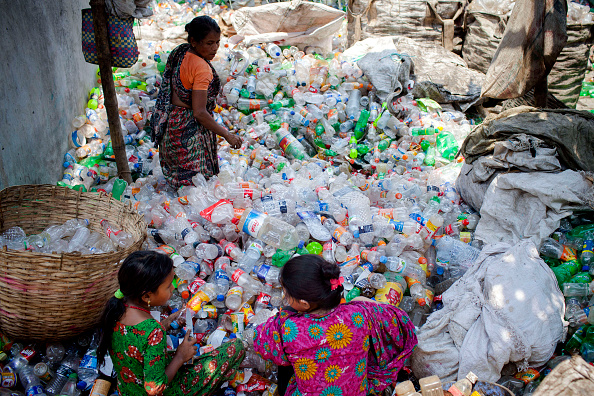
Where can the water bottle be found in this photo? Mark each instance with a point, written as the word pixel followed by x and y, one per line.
pixel 118 237
pixel 68 366
pixel 21 359
pixel 399 266
pixel 450 250
pixel 206 293
pixel 31 382
pixel 221 281
pixel 78 240
pixel 208 251
pixel 268 274
pixel 231 250
pixel 87 369
pixel 587 256
pixel 251 256
pixel 70 387
pixel 314 226
pixel 274 51
pixel 234 298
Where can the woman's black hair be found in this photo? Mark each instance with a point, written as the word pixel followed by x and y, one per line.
pixel 141 272
pixel 200 26
pixel 307 277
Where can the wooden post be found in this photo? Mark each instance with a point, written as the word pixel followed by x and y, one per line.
pixel 109 92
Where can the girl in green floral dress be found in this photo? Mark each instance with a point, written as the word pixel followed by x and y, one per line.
pixel 137 344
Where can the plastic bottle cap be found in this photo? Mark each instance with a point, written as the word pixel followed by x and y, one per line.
pixel 356 234
pixel 383 259
pixel 220 297
pixel 81 385
pixel 439 271
pixel 585 268
pixel 301 243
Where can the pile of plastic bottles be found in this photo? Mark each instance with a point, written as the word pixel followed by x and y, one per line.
pixel 325 169
pixel 569 253
pixel 55 369
pixel 72 236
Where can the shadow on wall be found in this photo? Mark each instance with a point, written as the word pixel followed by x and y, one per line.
pixel 44 82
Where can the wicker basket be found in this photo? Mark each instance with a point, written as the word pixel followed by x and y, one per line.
pixel 47 297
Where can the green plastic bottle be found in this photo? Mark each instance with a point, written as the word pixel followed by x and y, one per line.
pixel 119 186
pixel 582 277
pixel 424 131
pixel 383 145
pixel 319 130
pixel 446 145
pixel 286 102
pixel 353 293
pixel 587 348
pixel 430 156
pixel 361 125
pixel 281 257
pixel 575 342
pixel 314 248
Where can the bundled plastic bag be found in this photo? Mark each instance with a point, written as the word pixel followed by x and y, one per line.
pixel 506 308
pixel 534 37
pixel 298 23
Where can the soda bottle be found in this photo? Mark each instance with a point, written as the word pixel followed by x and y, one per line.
pixel 118 237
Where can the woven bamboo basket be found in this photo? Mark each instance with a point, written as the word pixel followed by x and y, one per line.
pixel 50 297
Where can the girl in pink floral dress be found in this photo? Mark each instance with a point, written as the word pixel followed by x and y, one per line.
pixel 336 349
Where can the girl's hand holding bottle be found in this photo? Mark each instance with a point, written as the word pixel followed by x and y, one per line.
pixel 187 349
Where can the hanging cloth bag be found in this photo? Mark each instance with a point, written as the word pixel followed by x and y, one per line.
pixel 122 43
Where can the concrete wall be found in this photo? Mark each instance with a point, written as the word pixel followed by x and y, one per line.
pixel 44 82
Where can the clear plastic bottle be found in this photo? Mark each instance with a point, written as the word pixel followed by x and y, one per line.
pixel 118 237
pixel 231 250
pixel 401 267
pixel 70 388
pixel 205 294
pixel 464 386
pixel 68 366
pixel 78 240
pixel 251 256
pixel 87 370
pixel 234 297
pixel 450 250
pixel 208 251
pixel 31 382
pixel 314 226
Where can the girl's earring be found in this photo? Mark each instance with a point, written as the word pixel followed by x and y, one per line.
pixel 149 303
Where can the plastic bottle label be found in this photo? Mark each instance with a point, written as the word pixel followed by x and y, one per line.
pixel 263 271
pixel 337 233
pixel 391 294
pixel 220 274
pixel 64 371
pixel 306 215
pixel 568 253
pixel 323 206
pixel 397 267
pixel 253 222
pixel 588 247
pixel 398 225
pixel 197 300
pixel 418 218
pixel 389 213
pixel 185 232
pixel 89 362
pixel 342 191
pixel 235 290
pixel 432 188
pixel 236 275
pixel 286 141
pixel 168 250
pixel 365 229
pixel 35 390
pixel 257 246
pixel 283 207
pixel 229 247
pixel 327 246
pixel 195 285
pixel 263 298
pixel 362 281
pixel 254 104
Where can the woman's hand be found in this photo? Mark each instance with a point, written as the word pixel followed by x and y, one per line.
pixel 234 140
pixel 166 323
pixel 187 349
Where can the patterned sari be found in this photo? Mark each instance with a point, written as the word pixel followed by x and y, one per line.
pixel 185 146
